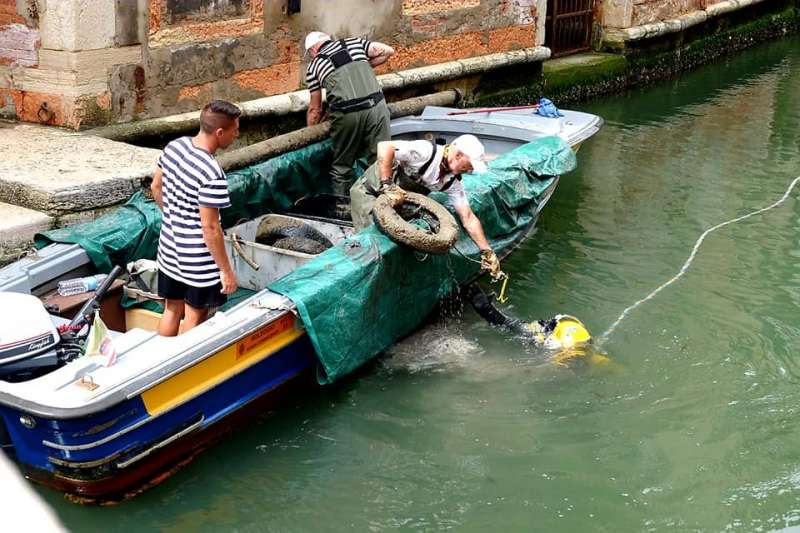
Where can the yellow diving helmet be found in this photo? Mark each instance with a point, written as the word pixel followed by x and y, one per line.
pixel 567 333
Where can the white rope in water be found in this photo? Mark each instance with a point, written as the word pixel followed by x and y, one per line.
pixel 685 266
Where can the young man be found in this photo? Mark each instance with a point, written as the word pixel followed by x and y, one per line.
pixel 426 166
pixel 359 116
pixel 194 272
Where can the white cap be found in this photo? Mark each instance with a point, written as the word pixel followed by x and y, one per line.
pixel 315 37
pixel 471 147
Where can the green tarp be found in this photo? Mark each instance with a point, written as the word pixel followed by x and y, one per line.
pixel 116 238
pixel 131 231
pixel 364 294
pixel 361 296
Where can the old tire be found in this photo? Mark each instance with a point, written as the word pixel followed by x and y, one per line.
pixel 293 232
pixel 403 232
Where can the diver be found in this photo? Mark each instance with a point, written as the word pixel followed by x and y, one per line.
pixel 564 335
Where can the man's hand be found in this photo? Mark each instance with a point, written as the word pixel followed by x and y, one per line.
pixel 396 195
pixel 229 283
pixel 490 264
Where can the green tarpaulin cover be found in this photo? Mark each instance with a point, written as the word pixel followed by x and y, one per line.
pixel 364 294
pixel 116 238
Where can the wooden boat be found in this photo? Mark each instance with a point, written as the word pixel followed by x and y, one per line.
pixel 103 432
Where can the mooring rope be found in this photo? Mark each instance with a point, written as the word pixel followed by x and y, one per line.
pixel 688 262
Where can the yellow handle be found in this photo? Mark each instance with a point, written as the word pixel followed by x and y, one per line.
pixel 502 298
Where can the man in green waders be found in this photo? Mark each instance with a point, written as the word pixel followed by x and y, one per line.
pixel 359 116
pixel 424 166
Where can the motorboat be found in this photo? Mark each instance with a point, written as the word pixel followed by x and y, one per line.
pixel 104 431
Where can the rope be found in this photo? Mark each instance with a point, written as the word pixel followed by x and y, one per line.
pixel 464 256
pixel 688 262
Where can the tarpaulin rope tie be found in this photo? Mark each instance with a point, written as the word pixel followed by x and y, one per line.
pixel 688 262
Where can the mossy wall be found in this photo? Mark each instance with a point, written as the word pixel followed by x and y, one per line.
pixel 570 79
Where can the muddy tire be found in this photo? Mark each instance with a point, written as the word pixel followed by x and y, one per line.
pixel 437 241
pixel 294 233
pixel 300 244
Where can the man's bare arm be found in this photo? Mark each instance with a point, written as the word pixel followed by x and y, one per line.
pixel 157 188
pixel 212 235
pixel 385 160
pixel 314 113
pixel 379 53
pixel 473 226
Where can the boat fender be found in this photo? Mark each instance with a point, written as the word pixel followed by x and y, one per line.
pixel 436 241
pixel 293 233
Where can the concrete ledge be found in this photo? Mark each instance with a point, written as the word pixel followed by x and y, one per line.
pixel 656 29
pixel 297 101
pixel 57 172
pixel 17 227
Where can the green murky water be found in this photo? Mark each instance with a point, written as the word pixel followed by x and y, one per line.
pixel 695 427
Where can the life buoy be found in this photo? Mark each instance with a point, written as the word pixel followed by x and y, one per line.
pixel 291 234
pixel 437 239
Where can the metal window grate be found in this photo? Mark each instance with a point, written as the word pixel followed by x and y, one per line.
pixel 568 26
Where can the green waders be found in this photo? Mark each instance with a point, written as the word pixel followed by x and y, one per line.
pixel 359 116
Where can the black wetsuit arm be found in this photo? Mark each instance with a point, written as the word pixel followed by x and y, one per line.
pixel 482 303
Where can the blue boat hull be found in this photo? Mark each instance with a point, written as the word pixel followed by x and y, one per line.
pixel 111 453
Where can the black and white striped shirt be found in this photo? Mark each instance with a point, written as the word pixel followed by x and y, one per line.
pixel 321 67
pixel 192 178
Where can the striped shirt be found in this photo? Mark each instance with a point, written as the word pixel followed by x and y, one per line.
pixel 192 178
pixel 321 67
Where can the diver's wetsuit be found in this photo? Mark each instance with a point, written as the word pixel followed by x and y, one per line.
pixel 482 303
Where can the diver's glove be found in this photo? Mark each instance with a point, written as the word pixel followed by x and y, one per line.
pixel 490 264
pixel 396 195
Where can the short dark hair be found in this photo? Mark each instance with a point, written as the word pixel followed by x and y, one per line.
pixel 218 114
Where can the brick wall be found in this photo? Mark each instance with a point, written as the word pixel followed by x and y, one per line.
pixel 252 48
pixel 87 62
pixel 18 42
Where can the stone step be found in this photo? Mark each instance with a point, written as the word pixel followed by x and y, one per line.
pixel 18 225
pixel 59 172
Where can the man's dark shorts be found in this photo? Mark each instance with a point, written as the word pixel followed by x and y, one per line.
pixel 197 297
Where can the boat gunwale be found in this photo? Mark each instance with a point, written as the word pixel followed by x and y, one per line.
pixel 169 368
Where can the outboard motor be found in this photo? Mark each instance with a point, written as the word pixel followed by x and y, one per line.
pixel 28 337
pixel 31 344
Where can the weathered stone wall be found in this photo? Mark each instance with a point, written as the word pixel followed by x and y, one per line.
pixel 647 11
pixel 86 62
pixel 628 13
pixel 78 45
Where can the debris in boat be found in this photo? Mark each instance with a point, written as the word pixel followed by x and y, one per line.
pixel 291 234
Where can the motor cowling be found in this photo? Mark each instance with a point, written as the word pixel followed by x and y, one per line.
pixel 26 329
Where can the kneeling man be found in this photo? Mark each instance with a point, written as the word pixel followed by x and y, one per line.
pixel 426 166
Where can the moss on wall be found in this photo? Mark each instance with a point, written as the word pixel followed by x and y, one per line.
pixel 574 78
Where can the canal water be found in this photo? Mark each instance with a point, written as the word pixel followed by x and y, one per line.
pixel 693 425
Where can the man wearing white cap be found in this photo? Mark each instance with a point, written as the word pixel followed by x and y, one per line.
pixel 425 166
pixel 359 116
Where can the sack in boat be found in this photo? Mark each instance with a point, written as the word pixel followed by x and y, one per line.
pixel 143 284
pixel 100 344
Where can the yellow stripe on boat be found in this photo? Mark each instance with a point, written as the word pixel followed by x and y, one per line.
pixel 214 370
